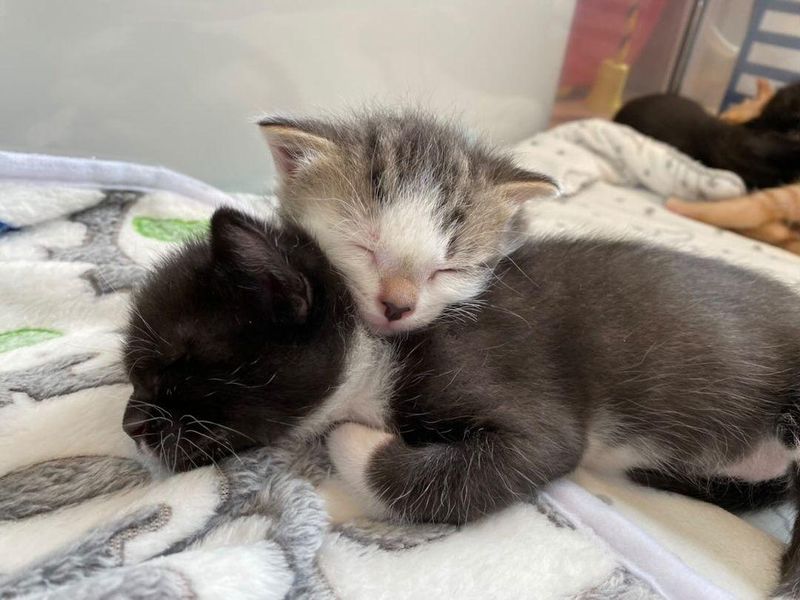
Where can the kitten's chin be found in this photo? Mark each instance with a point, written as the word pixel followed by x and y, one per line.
pixel 381 326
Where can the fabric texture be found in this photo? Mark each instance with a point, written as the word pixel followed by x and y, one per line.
pixel 82 516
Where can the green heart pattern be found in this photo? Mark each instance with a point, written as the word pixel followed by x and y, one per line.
pixel 27 336
pixel 169 230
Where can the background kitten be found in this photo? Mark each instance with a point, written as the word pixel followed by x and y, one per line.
pixel 764 152
pixel 410 209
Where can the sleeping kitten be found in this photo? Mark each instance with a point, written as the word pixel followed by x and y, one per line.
pixel 412 211
pixel 617 355
pixel 764 152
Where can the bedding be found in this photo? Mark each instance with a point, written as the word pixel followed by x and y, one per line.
pixel 83 516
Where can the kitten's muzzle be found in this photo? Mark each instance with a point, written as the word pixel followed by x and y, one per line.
pixel 399 297
pixel 394 312
pixel 138 422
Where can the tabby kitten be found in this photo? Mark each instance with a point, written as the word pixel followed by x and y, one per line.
pixel 413 211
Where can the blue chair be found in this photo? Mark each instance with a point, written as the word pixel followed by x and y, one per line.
pixel 771 49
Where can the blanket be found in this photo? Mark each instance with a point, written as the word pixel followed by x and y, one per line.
pixel 82 516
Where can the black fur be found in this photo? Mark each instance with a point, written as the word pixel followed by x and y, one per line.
pixel 688 360
pixel 782 113
pixel 735 495
pixel 221 327
pixel 764 152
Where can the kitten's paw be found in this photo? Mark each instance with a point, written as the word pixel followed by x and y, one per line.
pixel 350 447
pixel 340 502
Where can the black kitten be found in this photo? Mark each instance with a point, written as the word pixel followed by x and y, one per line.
pixel 221 326
pixel 613 354
pixel 764 152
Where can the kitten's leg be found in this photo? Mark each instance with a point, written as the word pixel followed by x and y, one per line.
pixel 351 446
pixel 789 586
pixel 448 482
pixel 735 495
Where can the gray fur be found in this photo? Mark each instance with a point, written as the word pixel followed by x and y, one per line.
pixel 62 482
pixel 269 482
pixel 353 183
pixel 395 152
pixel 623 352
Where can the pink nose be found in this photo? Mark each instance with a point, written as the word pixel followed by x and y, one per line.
pixel 398 296
pixel 394 312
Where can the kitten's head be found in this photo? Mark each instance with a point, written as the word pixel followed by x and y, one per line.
pixel 233 341
pixel 782 113
pixel 411 210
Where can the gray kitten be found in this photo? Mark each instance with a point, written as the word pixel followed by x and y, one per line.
pixel 623 356
pixel 413 211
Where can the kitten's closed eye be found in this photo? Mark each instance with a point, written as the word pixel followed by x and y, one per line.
pixel 414 185
pixel 447 271
pixel 367 252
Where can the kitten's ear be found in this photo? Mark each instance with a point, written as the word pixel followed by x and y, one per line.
pixel 247 248
pixel 237 240
pixel 294 144
pixel 517 189
pixel 526 185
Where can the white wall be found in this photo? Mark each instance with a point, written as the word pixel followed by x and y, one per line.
pixel 177 82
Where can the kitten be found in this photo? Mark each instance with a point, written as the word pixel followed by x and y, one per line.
pixel 617 355
pixel 764 152
pixel 410 209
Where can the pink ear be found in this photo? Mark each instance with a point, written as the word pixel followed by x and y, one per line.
pixel 521 191
pixel 292 145
pixel 287 160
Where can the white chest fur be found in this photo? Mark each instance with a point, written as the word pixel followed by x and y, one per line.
pixel 769 459
pixel 363 393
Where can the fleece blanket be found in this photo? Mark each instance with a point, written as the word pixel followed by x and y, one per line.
pixel 82 517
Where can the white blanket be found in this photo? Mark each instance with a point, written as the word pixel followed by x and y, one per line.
pixel 80 516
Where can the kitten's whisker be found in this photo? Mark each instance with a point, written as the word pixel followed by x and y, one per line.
pixel 153 332
pixel 194 420
pixel 162 447
pixel 218 441
pixel 211 458
pixel 187 455
pixel 139 403
pixel 242 385
pixel 142 422
pixel 177 446
pixel 524 274
pixel 222 442
pixel 213 424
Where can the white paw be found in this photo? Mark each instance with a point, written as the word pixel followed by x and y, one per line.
pixel 350 447
pixel 341 504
